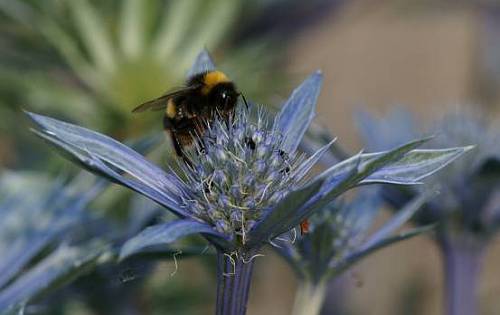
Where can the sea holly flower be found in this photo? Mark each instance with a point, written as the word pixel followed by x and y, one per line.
pixel 338 238
pixel 468 208
pixel 245 184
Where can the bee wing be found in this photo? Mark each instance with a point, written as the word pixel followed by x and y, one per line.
pixel 161 102
pixel 156 104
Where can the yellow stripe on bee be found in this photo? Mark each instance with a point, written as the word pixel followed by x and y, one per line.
pixel 211 79
pixel 171 109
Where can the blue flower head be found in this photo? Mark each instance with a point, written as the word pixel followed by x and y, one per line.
pixel 238 173
pixel 245 183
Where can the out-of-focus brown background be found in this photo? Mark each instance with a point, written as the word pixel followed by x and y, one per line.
pixel 429 56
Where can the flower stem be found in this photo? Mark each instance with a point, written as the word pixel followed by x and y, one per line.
pixel 234 275
pixel 462 267
pixel 309 298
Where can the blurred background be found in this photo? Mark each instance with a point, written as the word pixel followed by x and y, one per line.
pixel 91 62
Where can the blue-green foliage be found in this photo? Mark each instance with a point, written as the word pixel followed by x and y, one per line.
pixel 41 231
pixel 338 236
pixel 230 156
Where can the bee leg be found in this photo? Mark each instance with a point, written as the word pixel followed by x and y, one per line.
pixel 168 126
pixel 177 146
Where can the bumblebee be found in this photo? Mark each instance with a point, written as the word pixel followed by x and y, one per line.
pixel 189 108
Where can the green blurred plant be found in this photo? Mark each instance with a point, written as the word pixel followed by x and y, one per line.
pixel 94 61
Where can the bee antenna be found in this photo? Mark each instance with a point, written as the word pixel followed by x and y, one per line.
pixel 244 99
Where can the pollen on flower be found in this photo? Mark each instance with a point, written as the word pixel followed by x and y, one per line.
pixel 238 171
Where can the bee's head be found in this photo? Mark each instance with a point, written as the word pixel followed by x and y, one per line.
pixel 221 91
pixel 224 95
